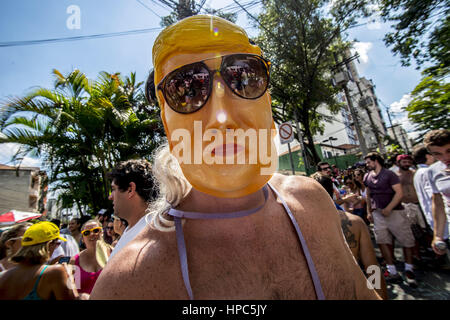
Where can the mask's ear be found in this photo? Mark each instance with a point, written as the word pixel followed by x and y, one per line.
pixel 150 93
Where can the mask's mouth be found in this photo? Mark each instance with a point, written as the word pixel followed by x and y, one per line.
pixel 226 150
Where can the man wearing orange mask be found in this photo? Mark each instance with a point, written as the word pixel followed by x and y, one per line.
pixel 226 226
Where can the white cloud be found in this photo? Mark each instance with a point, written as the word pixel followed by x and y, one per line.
pixel 399 106
pixel 362 48
pixel 400 116
pixel 7 150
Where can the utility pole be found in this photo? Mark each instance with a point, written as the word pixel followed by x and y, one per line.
pixel 290 157
pixel 390 122
pixel 404 139
pixel 362 142
pixel 302 144
pixel 369 114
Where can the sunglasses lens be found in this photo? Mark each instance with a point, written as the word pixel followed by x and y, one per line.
pixel 246 75
pixel 95 231
pixel 86 233
pixel 187 89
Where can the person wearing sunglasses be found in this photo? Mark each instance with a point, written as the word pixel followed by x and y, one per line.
pixel 119 226
pixel 32 278
pixel 10 243
pixel 87 261
pixel 223 228
pixel 324 168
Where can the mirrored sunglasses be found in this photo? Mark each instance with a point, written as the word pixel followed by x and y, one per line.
pixel 189 87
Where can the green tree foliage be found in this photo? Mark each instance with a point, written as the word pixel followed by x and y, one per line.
pixel 300 38
pixel 82 129
pixel 186 8
pixel 430 105
pixel 421 31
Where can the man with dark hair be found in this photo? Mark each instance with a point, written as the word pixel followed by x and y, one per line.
pixel 324 168
pixel 437 143
pixel 375 156
pixel 410 201
pixel 131 192
pixel 384 209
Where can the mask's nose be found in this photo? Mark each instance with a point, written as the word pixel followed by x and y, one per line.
pixel 220 104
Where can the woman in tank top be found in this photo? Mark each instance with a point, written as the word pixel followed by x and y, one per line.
pixel 31 278
pixel 89 262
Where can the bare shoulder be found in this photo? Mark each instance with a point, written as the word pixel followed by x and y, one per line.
pixel 307 192
pixel 141 269
pixel 54 273
pixel 295 184
pixel 316 214
pixel 355 220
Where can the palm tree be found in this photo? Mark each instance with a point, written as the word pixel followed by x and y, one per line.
pixel 81 129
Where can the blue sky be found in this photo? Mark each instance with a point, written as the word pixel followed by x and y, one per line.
pixel 25 67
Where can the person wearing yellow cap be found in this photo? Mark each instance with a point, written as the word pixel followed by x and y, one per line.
pixel 226 226
pixel 32 279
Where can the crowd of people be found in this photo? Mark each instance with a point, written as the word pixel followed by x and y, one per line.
pixel 239 234
pixel 50 260
pixel 402 201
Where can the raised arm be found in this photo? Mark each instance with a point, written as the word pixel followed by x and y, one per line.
pixel 440 221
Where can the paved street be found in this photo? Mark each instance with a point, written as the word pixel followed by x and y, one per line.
pixel 433 284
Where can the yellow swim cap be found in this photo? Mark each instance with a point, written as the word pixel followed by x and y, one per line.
pixel 197 34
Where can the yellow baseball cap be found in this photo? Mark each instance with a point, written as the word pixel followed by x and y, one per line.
pixel 41 232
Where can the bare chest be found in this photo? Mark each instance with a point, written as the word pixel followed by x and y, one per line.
pixel 259 268
pixel 267 262
pixel 406 179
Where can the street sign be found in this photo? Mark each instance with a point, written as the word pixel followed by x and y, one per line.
pixel 286 133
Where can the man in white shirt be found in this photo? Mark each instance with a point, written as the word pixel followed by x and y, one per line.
pixel 131 192
pixel 422 185
pixel 438 144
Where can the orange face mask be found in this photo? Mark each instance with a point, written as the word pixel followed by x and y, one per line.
pixel 225 148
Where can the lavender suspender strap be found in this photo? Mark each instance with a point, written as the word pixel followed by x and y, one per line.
pixel 183 257
pixel 178 214
pixel 312 269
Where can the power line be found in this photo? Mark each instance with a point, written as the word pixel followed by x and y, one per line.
pixel 160 5
pixel 93 36
pixel 148 8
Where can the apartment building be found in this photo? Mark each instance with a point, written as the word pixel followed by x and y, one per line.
pixel 22 189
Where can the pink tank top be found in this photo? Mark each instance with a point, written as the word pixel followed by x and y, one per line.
pixel 88 279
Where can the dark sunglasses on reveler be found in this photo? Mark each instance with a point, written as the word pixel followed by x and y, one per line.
pixel 189 87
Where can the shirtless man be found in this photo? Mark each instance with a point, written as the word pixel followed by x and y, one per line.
pixel 409 200
pixel 223 231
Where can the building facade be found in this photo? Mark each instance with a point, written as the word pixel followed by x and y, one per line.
pixel 22 189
